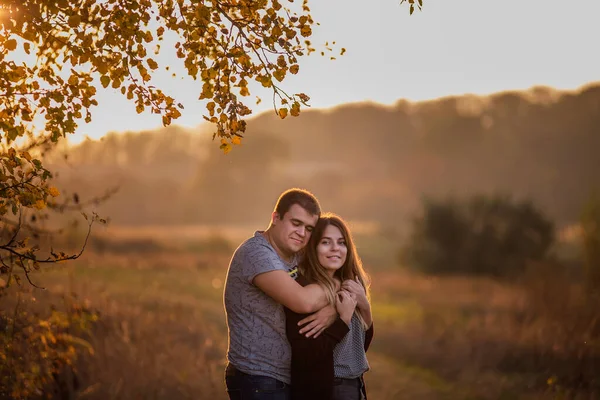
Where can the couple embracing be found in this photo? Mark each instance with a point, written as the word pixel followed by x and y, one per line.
pixel 297 306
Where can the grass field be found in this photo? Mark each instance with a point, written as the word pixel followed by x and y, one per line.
pixel 162 333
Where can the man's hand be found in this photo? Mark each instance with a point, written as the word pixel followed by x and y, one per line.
pixel 316 323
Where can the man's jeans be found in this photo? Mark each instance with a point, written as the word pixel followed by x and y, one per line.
pixel 242 386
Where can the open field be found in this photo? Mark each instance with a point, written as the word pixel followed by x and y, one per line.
pixel 162 333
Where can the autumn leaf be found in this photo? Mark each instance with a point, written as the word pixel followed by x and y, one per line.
pixel 295 110
pixel 79 47
pixel 10 44
pixel 39 204
pixel 52 191
pixel 225 147
pixel 279 74
pixel 74 20
pixel 152 64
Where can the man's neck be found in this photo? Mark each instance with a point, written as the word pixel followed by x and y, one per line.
pixel 285 257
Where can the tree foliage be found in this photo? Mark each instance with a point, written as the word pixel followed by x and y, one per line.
pixel 491 236
pixel 412 3
pixel 225 44
pixel 54 55
pixel 590 227
pixel 38 354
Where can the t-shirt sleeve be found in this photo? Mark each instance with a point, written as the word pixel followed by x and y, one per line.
pixel 258 260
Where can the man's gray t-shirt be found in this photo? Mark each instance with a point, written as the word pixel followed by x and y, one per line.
pixel 257 339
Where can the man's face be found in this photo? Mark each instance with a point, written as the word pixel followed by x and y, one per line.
pixel 292 232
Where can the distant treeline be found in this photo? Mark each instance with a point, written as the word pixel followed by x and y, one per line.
pixel 364 161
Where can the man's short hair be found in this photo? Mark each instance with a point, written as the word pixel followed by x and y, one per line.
pixel 302 197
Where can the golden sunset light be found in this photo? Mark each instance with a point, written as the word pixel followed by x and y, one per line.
pixel 293 200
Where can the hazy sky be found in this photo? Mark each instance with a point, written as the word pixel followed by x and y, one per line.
pixel 451 47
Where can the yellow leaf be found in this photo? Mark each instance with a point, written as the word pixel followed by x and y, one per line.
pixel 74 20
pixel 105 81
pixel 226 147
pixel 295 111
pixel 283 113
pixel 175 114
pixel 40 205
pixel 73 81
pixel 52 191
pixel 294 69
pixel 281 62
pixel 306 31
pixel 10 45
pixel 279 74
pixel 236 140
pixel 102 68
pixel 266 81
pixel 148 37
pixel 152 64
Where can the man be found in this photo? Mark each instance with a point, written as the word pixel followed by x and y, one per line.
pixel 260 281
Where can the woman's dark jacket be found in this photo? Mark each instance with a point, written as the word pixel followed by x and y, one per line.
pixel 312 359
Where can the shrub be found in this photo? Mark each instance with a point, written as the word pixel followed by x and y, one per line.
pixel 38 352
pixel 492 236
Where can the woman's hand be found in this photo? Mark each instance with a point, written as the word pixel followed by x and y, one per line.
pixel 357 289
pixel 345 305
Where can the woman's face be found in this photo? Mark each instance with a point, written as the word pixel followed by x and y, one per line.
pixel 331 249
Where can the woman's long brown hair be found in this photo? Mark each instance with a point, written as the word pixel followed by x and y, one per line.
pixel 314 272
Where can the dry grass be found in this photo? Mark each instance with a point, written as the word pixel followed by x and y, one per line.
pixel 531 340
pixel 162 332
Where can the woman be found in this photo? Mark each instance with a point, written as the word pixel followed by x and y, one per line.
pixel 331 366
